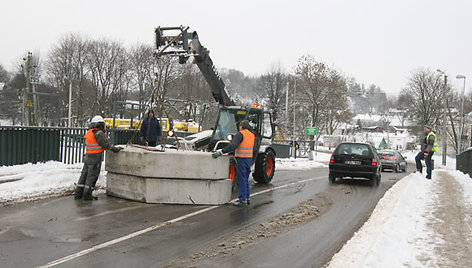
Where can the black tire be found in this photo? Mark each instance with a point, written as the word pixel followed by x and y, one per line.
pixel 396 168
pixel 375 180
pixel 265 167
pixel 332 178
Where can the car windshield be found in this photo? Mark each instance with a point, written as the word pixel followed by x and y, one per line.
pixel 354 149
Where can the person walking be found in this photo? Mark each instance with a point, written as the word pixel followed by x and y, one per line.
pixel 428 147
pixel 150 131
pixel 95 143
pixel 242 145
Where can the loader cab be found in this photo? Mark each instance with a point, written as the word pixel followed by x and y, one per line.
pixel 227 125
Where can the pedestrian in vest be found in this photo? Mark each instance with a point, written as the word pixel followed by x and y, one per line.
pixel 95 143
pixel 242 145
pixel 428 147
pixel 150 131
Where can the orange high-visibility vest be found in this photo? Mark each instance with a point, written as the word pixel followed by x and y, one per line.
pixel 246 146
pixel 91 144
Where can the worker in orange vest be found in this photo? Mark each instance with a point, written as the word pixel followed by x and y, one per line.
pixel 243 145
pixel 95 143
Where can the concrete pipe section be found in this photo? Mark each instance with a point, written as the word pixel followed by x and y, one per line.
pixel 169 177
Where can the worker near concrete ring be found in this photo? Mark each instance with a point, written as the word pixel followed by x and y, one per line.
pixel 428 147
pixel 95 143
pixel 242 144
pixel 150 131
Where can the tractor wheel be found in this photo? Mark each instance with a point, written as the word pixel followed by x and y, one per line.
pixel 265 167
pixel 232 173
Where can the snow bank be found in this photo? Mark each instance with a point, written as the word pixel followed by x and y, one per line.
pixel 37 181
pixel 396 233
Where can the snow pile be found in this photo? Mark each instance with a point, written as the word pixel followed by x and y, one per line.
pixel 30 182
pixel 396 232
pixel 300 164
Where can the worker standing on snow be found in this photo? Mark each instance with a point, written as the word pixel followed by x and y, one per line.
pixel 242 145
pixel 150 131
pixel 95 143
pixel 428 147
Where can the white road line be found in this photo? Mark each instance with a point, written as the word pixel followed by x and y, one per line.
pixel 157 226
pixel 107 213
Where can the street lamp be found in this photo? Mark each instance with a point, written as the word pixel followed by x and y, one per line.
pixel 444 143
pixel 459 146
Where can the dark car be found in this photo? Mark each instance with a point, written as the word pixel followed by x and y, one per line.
pixel 392 159
pixel 355 160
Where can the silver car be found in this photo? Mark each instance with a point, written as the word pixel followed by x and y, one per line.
pixel 392 159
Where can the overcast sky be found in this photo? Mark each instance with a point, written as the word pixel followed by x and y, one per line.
pixel 376 42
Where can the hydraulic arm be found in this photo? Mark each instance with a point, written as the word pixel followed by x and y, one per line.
pixel 178 41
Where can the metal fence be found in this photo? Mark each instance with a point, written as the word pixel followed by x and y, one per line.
pixel 20 145
pixel 303 148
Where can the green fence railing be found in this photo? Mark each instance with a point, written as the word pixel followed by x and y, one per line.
pixel 20 145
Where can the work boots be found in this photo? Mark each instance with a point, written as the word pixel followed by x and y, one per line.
pixel 88 193
pixel 79 191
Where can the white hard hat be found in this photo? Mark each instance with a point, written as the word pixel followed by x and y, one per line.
pixel 97 119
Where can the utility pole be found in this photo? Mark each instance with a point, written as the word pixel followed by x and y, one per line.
pixel 26 97
pixel 459 144
pixel 286 108
pixel 30 98
pixel 69 121
pixel 444 143
pixel 294 149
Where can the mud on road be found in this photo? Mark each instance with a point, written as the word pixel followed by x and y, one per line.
pixel 247 237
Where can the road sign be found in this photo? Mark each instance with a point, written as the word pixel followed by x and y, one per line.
pixel 29 104
pixel 311 131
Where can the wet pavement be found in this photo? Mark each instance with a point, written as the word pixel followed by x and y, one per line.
pixel 112 232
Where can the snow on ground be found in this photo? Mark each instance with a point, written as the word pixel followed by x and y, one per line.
pixel 418 222
pixel 30 182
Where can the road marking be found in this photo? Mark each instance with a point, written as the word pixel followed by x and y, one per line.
pixel 107 213
pixel 160 225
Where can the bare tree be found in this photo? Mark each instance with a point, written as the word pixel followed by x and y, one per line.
pixel 66 66
pixel 4 75
pixel 107 62
pixel 425 93
pixel 336 111
pixel 321 86
pixel 271 87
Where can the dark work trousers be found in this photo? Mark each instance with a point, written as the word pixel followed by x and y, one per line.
pixel 428 162
pixel 243 167
pixel 88 176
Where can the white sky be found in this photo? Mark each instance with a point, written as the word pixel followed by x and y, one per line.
pixel 375 41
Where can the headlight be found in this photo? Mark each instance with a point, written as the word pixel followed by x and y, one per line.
pixel 229 137
pixel 170 133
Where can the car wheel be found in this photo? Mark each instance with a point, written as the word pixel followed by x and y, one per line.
pixel 397 168
pixel 332 178
pixel 375 180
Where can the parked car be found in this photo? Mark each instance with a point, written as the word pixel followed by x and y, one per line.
pixel 392 159
pixel 355 160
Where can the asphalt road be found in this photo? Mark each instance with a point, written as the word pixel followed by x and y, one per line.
pixel 112 232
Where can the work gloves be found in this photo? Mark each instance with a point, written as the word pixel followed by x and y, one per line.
pixel 425 154
pixel 217 154
pixel 116 149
